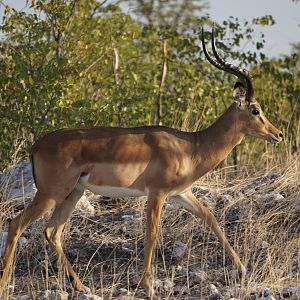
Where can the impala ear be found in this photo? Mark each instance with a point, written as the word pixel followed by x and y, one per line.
pixel 239 92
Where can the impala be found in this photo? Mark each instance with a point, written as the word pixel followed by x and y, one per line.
pixel 153 161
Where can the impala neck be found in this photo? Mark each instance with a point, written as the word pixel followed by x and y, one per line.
pixel 215 143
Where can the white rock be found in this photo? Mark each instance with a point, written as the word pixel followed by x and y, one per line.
pixel 3 239
pixel 22 241
pixel 234 274
pixel 18 181
pixel 180 289
pixel 179 249
pixel 277 197
pixel 123 291
pixel 85 296
pixel 173 205
pixel 182 270
pixel 288 291
pixel 25 297
pixel 227 199
pixel 198 276
pixel 125 249
pixel 85 207
pixel 279 272
pixel 120 292
pixel 296 205
pixel 157 283
pixel 213 289
pixel 168 284
pixel 264 244
pixel 53 294
pixel 267 292
pixel 268 197
pixel 210 192
pixel 128 217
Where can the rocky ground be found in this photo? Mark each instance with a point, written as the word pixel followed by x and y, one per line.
pixel 104 240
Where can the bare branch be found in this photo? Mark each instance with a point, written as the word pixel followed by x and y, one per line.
pixel 116 65
pixel 162 82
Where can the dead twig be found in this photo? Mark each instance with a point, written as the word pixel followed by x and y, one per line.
pixel 161 85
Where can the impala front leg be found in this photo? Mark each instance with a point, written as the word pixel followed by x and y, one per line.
pixel 190 202
pixel 154 206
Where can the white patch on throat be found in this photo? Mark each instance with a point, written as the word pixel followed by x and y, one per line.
pixel 240 140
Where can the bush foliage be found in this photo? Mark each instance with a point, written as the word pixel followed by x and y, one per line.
pixel 86 63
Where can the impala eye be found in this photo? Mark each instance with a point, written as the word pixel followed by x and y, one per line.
pixel 255 112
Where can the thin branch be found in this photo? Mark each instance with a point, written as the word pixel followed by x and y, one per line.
pixel 116 65
pixel 162 82
pixel 116 61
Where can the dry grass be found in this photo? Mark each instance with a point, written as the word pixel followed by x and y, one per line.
pixel 107 249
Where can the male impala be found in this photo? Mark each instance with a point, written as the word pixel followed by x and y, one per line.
pixel 158 162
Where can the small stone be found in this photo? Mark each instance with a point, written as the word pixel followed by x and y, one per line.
pixel 228 295
pixel 199 276
pixel 267 292
pixel 182 270
pixel 53 294
pixel 22 241
pixel 227 199
pixel 120 292
pixel 3 238
pixel 179 249
pixel 128 217
pixel 287 292
pixel 25 297
pixel 85 207
pixel 234 275
pixel 212 288
pixel 62 295
pixel 290 291
pixel 180 289
pixel 168 284
pixel 215 296
pixel 296 205
pixel 157 283
pixel 280 273
pixel 277 197
pixel 268 197
pixel 85 296
pixel 125 249
pixel 254 296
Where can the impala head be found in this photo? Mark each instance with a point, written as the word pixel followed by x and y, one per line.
pixel 247 110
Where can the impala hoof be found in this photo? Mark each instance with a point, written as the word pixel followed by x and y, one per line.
pixel 146 284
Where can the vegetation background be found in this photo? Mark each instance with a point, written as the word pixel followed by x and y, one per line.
pixel 80 63
pixel 87 63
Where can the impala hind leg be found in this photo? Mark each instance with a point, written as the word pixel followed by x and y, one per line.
pixel 154 207
pixel 53 234
pixel 190 202
pixel 36 209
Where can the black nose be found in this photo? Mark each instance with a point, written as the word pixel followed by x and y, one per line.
pixel 281 135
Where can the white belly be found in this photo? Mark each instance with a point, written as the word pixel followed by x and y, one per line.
pixel 111 191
